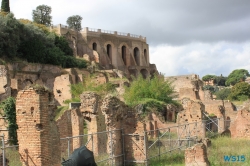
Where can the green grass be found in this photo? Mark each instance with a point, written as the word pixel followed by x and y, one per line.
pixel 60 110
pixel 222 146
pixel 13 156
pixel 175 158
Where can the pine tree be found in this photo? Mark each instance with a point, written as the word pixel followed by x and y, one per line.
pixel 5 6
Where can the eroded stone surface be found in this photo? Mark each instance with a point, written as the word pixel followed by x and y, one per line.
pixel 196 155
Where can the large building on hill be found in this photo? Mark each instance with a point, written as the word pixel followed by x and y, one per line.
pixel 111 49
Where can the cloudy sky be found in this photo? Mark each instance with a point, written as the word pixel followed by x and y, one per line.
pixel 184 36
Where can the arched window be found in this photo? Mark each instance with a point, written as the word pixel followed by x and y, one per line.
pixel 137 56
pixel 109 51
pixel 124 54
pixel 145 55
pixel 94 46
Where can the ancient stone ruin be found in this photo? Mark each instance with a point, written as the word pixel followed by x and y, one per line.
pixel 39 135
pixel 196 155
pixel 240 128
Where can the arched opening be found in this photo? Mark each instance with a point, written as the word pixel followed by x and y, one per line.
pixel 94 46
pixel 124 54
pixel 109 51
pixel 170 115
pixel 137 56
pixel 145 55
pixel 144 73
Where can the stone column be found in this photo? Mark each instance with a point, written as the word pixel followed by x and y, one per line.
pixel 90 109
pixel 34 130
pixel 77 128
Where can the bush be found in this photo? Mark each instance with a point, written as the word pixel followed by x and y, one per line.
pixel 9 108
pixel 240 91
pixel 155 92
pixel 223 93
pixel 34 43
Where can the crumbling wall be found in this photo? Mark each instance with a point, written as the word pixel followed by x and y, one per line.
pixel 34 128
pixel 240 128
pixel 192 113
pixel 215 108
pixel 117 116
pixel 196 155
pixel 90 110
pixel 62 88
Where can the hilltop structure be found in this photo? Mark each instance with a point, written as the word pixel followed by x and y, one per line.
pixel 111 49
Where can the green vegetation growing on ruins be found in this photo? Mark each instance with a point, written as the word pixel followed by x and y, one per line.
pixel 9 108
pixel 34 43
pixel 150 93
pixel 89 85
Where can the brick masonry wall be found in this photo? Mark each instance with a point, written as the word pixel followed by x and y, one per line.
pixel 196 155
pixel 34 132
pixel 240 128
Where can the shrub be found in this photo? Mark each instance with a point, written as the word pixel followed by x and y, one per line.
pixel 240 91
pixel 155 92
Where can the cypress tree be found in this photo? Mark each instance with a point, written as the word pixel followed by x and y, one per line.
pixel 5 6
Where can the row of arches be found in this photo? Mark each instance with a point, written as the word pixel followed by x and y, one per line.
pixel 136 53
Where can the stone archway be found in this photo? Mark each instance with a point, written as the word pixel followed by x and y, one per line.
pixel 94 46
pixel 137 56
pixel 124 52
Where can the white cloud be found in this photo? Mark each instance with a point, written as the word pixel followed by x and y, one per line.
pixel 199 58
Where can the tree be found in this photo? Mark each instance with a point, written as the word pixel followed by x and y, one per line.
pixel 236 76
pixel 74 22
pixel 10 30
pixel 223 93
pixel 63 44
pixel 240 91
pixel 9 108
pixel 42 15
pixel 208 77
pixel 5 7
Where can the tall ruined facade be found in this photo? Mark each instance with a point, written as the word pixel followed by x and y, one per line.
pixel 111 49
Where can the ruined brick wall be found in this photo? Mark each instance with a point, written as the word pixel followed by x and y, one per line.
pixel 90 110
pixel 215 107
pixel 183 81
pixel 188 93
pixel 192 113
pixel 70 124
pixel 240 128
pixel 77 127
pixel 62 88
pixel 34 132
pixel 65 129
pixel 117 116
pixel 196 155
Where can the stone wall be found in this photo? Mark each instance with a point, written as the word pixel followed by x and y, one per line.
pixel 91 112
pixel 128 53
pixel 192 113
pixel 240 128
pixel 196 155
pixel 35 128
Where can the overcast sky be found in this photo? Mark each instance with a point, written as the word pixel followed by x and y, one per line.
pixel 184 36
